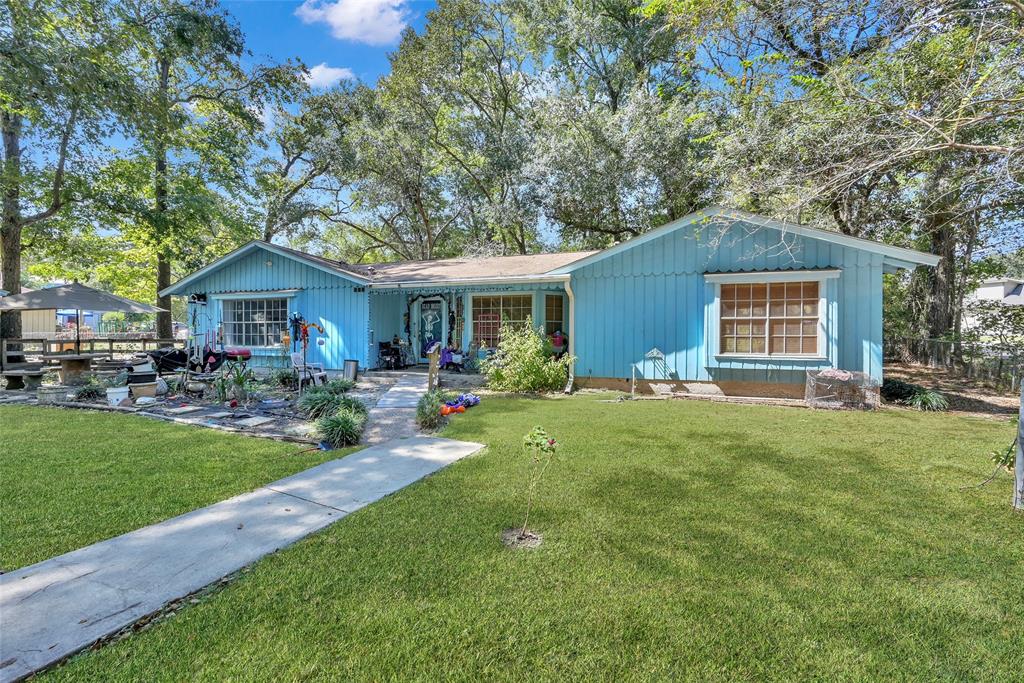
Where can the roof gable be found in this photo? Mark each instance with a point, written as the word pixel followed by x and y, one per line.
pixel 895 257
pixel 318 262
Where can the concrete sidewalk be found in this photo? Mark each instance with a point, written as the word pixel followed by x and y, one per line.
pixel 406 392
pixel 54 608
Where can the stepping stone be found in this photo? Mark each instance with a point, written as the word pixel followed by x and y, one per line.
pixel 219 415
pixel 182 410
pixel 304 429
pixel 254 421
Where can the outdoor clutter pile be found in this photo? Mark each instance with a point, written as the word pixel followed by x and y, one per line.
pixel 460 404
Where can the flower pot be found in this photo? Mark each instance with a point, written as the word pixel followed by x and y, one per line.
pixel 49 394
pixel 117 395
pixel 143 389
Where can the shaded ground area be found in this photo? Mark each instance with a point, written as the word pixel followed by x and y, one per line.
pixel 682 540
pixel 964 394
pixel 73 477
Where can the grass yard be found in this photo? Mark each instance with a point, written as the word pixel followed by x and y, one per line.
pixel 683 540
pixel 69 478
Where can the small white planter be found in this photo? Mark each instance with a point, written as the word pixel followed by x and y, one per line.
pixel 117 395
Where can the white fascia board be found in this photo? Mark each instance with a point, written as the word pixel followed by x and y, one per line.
pixel 759 276
pixel 264 294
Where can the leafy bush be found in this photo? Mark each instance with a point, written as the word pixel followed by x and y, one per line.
pixel 338 385
pixel 353 404
pixel 343 428
pixel 93 390
pixel 428 410
pixel 318 404
pixel 283 377
pixel 897 390
pixel 913 395
pixel 927 399
pixel 523 362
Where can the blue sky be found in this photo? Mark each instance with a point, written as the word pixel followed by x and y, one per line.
pixel 336 38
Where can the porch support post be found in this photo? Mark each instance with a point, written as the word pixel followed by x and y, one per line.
pixel 572 334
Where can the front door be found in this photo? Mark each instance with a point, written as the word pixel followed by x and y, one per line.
pixel 431 325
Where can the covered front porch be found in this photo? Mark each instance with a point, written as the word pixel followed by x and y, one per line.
pixel 466 316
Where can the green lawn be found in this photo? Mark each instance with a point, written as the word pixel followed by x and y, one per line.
pixel 683 540
pixel 69 478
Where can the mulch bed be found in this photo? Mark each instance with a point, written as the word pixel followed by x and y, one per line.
pixel 965 395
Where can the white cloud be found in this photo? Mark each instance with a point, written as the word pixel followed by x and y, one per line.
pixel 323 76
pixel 374 22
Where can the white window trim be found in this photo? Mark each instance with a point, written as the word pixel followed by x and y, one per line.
pixel 265 294
pixel 288 294
pixel 474 295
pixel 768 278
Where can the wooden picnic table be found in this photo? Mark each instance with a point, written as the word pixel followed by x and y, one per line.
pixel 72 365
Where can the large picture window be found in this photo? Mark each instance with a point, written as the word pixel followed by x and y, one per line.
pixel 490 311
pixel 254 322
pixel 774 318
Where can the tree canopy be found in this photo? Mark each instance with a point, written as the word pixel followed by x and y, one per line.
pixel 517 126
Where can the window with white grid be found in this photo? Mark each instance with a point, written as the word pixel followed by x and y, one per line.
pixel 779 318
pixel 254 322
pixel 489 312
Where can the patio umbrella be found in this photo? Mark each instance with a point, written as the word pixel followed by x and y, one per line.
pixel 76 296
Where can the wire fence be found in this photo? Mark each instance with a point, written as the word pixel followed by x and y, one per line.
pixel 997 365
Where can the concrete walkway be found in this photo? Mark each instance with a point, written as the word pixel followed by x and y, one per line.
pixel 406 392
pixel 54 608
pixel 394 415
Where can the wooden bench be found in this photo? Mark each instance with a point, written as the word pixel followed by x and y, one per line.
pixel 29 380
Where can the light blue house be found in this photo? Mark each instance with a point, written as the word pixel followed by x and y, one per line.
pixel 719 296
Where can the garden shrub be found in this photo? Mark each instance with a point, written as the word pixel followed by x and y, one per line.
pixel 897 390
pixel 283 377
pixel 428 410
pixel 92 390
pixel 317 404
pixel 523 362
pixel 352 404
pixel 343 428
pixel 913 395
pixel 338 385
pixel 928 399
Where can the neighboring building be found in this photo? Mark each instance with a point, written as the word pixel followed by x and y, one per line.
pixel 1005 290
pixel 38 324
pixel 44 324
pixel 729 298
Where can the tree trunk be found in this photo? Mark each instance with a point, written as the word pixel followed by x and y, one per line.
pixel 939 226
pixel 10 228
pixel 163 258
pixel 1018 469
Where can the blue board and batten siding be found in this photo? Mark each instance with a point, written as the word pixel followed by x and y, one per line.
pixel 656 295
pixel 331 300
pixel 651 292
